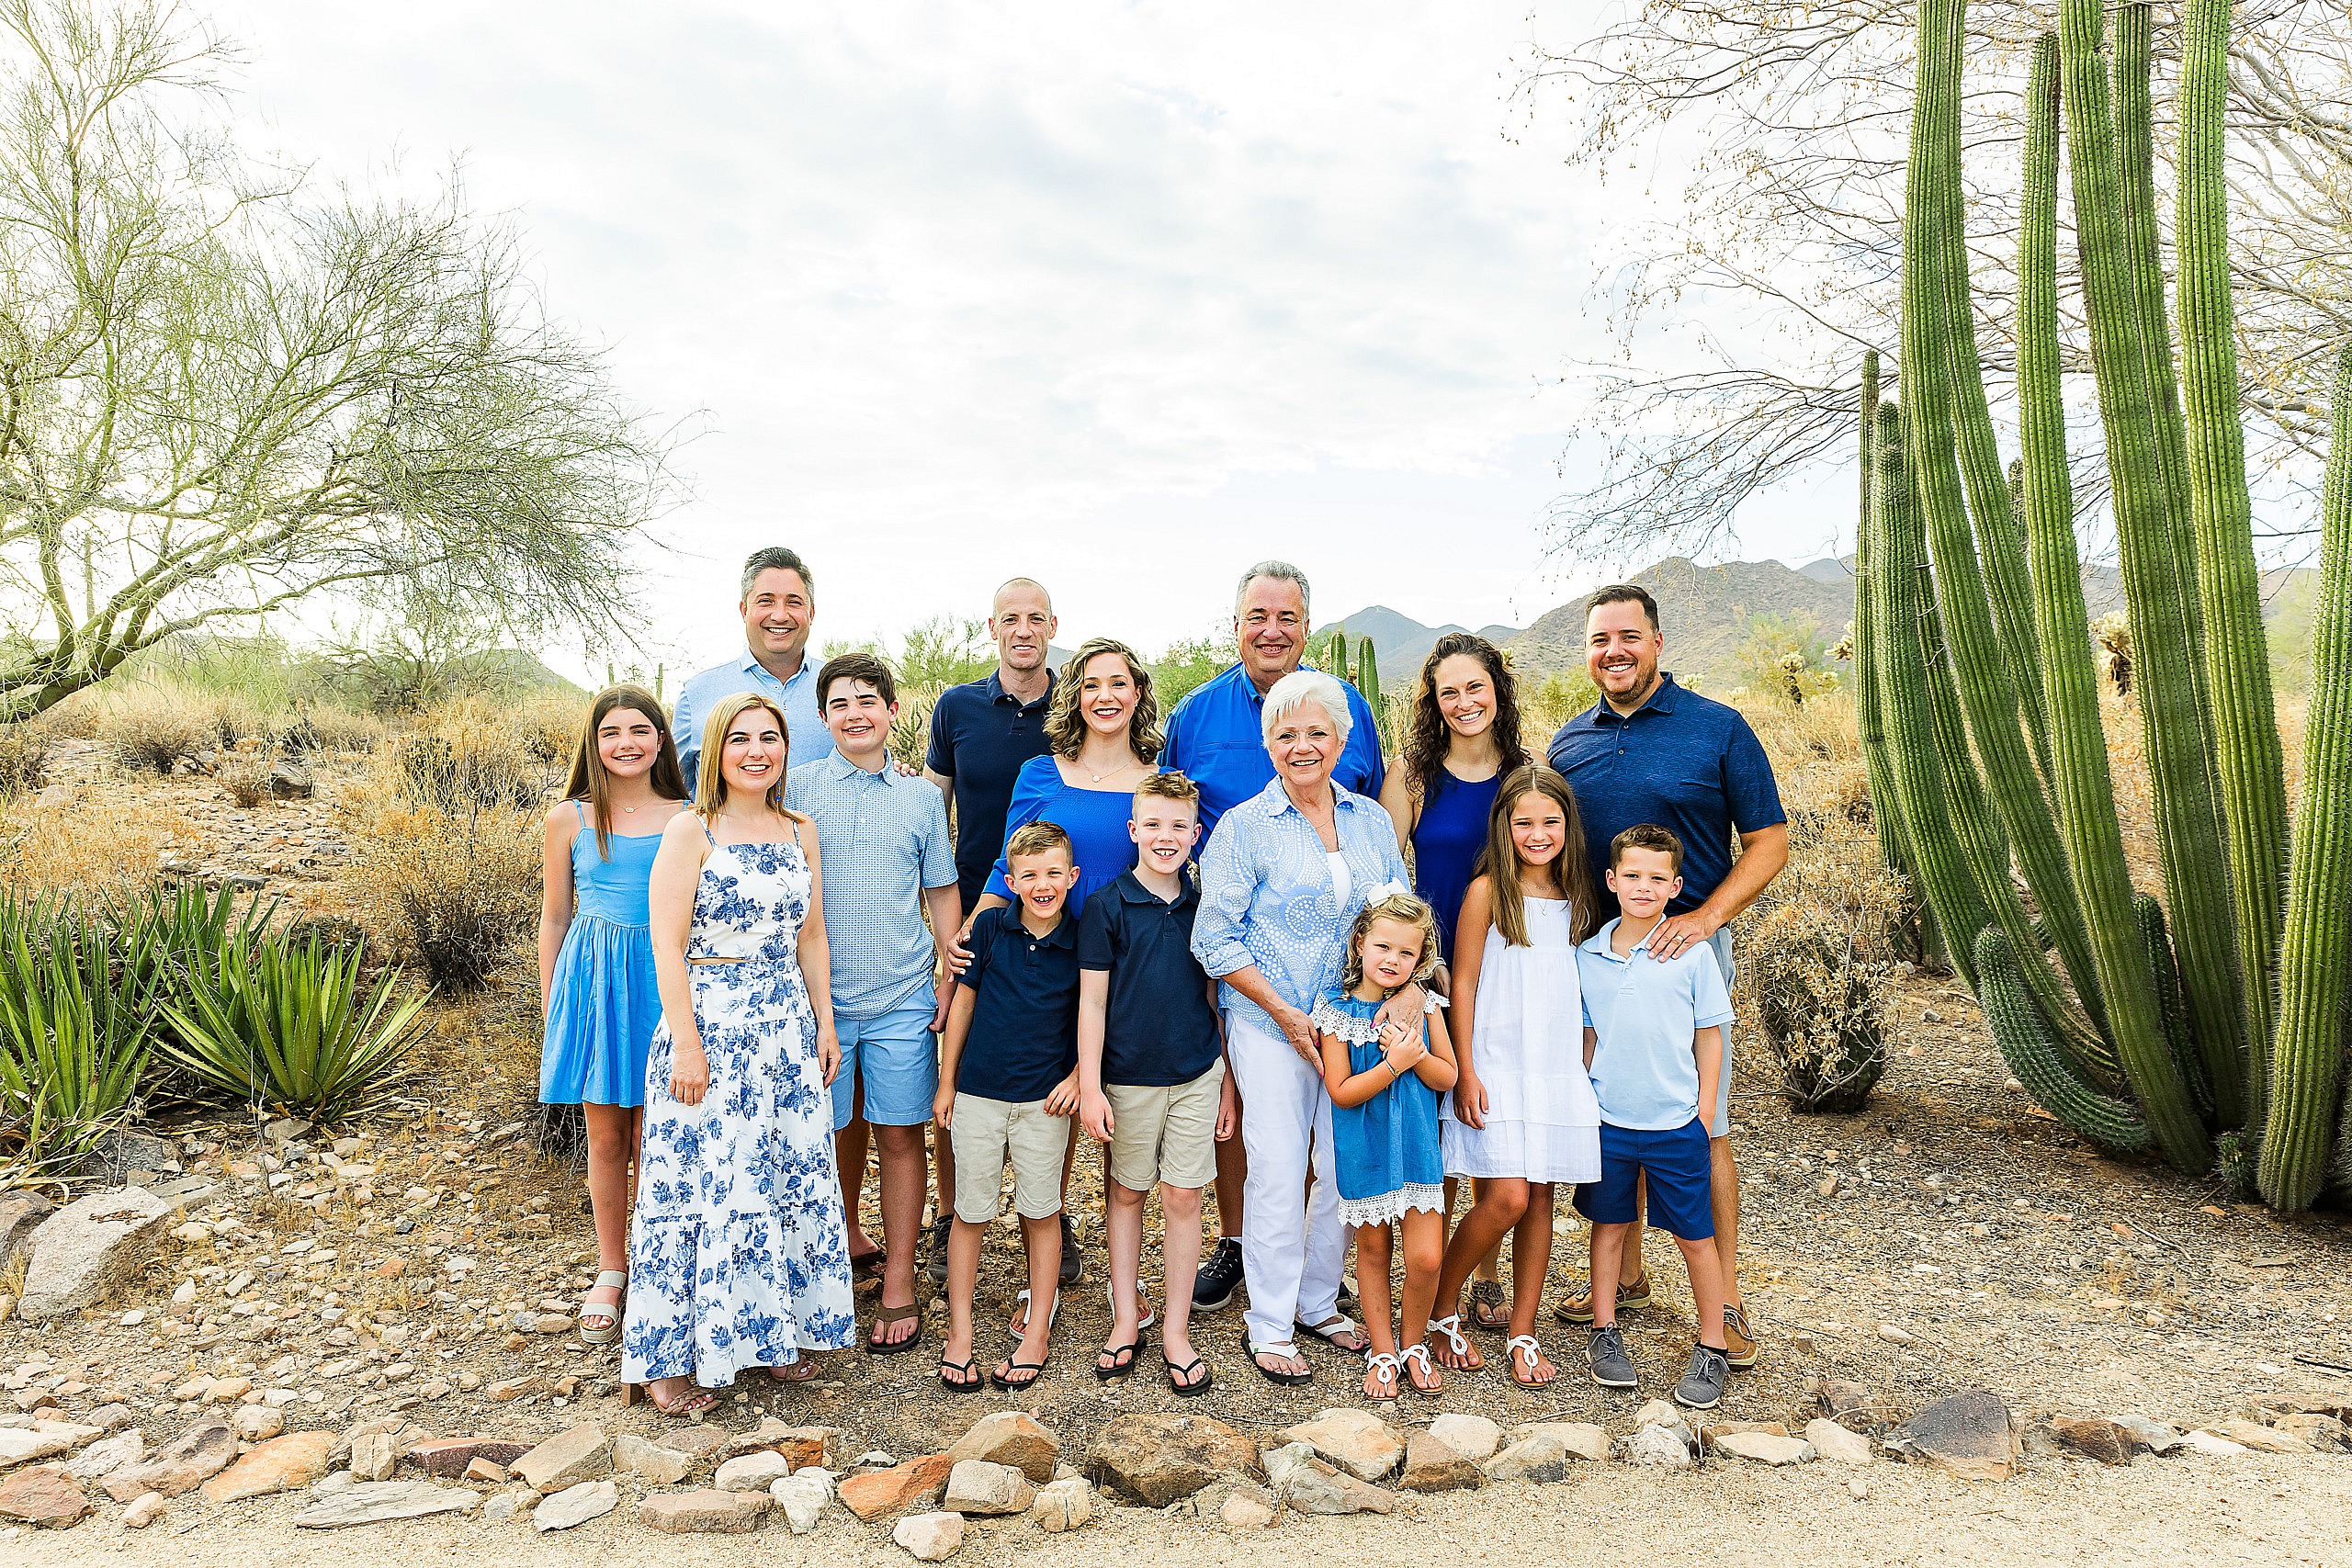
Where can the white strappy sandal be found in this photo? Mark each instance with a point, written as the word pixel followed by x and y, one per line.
pixel 1523 1346
pixel 1380 1364
pixel 1450 1326
pixel 1429 1368
pixel 611 1314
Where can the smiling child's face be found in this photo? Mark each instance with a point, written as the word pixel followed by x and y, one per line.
pixel 1644 880
pixel 1392 950
pixel 1041 882
pixel 1164 831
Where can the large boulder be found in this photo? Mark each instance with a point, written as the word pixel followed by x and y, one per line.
pixel 83 1252
pixel 1968 1434
pixel 1165 1458
pixel 1014 1438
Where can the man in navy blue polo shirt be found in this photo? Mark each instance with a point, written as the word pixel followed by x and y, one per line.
pixel 1215 738
pixel 1652 750
pixel 980 734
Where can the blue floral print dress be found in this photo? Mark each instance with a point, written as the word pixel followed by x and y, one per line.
pixel 739 1255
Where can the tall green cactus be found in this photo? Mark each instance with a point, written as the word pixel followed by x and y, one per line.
pixel 2187 813
pixel 2036 1059
pixel 2229 590
pixel 1368 673
pixel 1934 275
pixel 1337 663
pixel 2080 782
pixel 1894 843
pixel 2315 971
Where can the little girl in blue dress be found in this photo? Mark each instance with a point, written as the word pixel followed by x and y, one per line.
pixel 1384 1128
pixel 596 958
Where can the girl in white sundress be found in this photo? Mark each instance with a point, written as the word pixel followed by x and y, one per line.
pixel 1522 1114
pixel 739 1254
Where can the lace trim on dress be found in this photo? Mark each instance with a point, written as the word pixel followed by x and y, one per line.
pixel 1427 1196
pixel 1343 1025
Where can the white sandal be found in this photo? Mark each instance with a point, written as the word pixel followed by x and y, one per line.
pixel 1450 1326
pixel 611 1314
pixel 1288 1352
pixel 1380 1361
pixel 1421 1353
pixel 1520 1345
pixel 1111 1299
pixel 1017 1324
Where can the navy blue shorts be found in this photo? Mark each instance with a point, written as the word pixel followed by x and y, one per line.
pixel 1681 1180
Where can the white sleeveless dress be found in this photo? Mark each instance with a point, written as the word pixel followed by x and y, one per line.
pixel 1527 1047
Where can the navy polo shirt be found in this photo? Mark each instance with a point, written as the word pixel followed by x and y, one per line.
pixel 1217 740
pixel 1159 1028
pixel 980 734
pixel 1024 1010
pixel 1686 763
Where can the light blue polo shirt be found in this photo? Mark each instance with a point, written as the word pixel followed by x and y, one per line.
pixel 884 840
pixel 804 728
pixel 1646 1010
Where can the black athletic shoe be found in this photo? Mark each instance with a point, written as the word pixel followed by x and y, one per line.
pixel 1219 1277
pixel 934 1267
pixel 1073 1260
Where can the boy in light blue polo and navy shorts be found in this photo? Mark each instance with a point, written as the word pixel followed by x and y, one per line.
pixel 886 855
pixel 1653 1043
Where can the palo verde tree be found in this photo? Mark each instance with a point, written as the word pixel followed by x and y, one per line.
pixel 222 392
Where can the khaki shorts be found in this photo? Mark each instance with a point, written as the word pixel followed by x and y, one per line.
pixel 1164 1133
pixel 991 1133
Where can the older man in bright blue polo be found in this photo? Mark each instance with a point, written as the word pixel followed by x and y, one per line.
pixel 778 607
pixel 1652 750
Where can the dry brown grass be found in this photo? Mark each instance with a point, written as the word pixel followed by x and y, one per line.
pixel 98 843
pixel 24 759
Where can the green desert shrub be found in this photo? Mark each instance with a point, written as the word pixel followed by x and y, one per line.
pixel 76 1029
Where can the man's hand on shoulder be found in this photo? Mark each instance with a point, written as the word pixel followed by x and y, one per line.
pixel 1677 934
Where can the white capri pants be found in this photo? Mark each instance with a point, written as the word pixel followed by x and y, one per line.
pixel 1291 1254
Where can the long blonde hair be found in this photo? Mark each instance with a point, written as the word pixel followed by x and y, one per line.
pixel 1066 727
pixel 710 781
pixel 1404 908
pixel 588 781
pixel 1500 866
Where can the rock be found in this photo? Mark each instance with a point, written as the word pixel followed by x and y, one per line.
pixel 109 1417
pixel 1248 1508
pixel 1967 1434
pixel 580 1454
pixel 1474 1438
pixel 45 1495
pixel 509 1389
pixel 373 1455
pixel 1895 1334
pixel 2260 1438
pixel 2324 1434
pixel 1710 1430
pixel 1850 1403
pixel 2153 1435
pixel 1063 1504
pixel 2100 1438
pixel 120 1153
pixel 1356 1441
pixel 1162 1459
pixel 83 1252
pixel 257 1423
pixel 1008 1437
pixel 1833 1442
pixel 1431 1465
pixel 1540 1458
pixel 659 1464
pixel 281 1464
pixel 802 1496
pixel 19 1444
pixel 145 1511
pixel 2309 1403
pixel 1312 1486
pixel 1763 1447
pixel 1658 1446
pixel 576 1506
pixel 448 1457
pixel 977 1486
pixel 1657 1412
pixel 930 1537
pixel 21 1212
pixel 698 1441
pixel 704 1511
pixel 2204 1442
pixel 1582 1439
pixel 880 1492
pixel 197 1454
pixel 108 1455
pixel 752 1471
pixel 806 1445
pixel 481 1471
pixel 372 1502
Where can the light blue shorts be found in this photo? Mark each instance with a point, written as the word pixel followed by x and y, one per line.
pixel 892 1059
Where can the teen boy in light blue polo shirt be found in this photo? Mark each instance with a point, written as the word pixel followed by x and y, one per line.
pixel 1654 1044
pixel 887 854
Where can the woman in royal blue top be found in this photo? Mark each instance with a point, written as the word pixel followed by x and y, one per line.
pixel 1465 739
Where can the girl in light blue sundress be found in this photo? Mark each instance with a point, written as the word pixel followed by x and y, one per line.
pixel 1384 1128
pixel 739 1254
pixel 596 958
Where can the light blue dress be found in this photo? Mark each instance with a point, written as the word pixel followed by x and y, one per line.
pixel 739 1255
pixel 603 1002
pixel 1387 1150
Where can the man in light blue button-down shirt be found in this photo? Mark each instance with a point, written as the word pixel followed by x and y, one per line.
pixel 778 606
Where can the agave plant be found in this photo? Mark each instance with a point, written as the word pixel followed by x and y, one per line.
pixel 289 1027
pixel 75 1033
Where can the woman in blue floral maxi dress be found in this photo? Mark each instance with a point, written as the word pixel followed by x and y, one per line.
pixel 740 1253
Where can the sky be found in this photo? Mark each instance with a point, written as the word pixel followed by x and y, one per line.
pixel 1119 297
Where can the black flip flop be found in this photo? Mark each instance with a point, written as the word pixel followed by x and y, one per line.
pixel 883 1316
pixel 1034 1369
pixel 946 1366
pixel 1122 1360
pixel 1187 1390
pixel 868 1265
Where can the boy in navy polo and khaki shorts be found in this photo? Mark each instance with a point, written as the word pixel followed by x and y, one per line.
pixel 1654 1044
pixel 1151 1075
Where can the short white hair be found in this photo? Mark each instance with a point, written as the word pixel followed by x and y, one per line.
pixel 1299 688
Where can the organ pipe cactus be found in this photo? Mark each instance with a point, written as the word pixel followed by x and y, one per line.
pixel 1894 843
pixel 2037 1060
pixel 1368 673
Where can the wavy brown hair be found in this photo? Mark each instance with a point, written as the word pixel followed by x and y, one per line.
pixel 1429 738
pixel 1571 869
pixel 1066 727
pixel 588 781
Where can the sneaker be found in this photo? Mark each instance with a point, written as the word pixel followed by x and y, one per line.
pixel 1579 1307
pixel 1701 1387
pixel 1073 1260
pixel 1219 1277
pixel 935 1267
pixel 1612 1367
pixel 1739 1341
